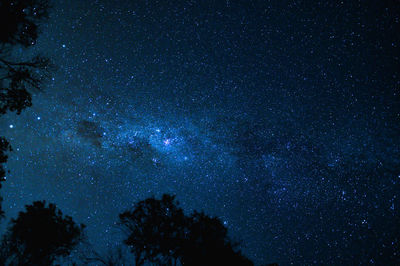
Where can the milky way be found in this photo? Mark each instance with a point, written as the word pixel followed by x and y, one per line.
pixel 279 118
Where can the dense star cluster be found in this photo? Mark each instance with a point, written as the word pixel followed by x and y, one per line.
pixel 281 118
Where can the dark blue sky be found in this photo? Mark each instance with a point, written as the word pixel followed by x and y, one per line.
pixel 280 117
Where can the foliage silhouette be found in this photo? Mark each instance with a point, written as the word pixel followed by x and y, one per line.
pixel 159 232
pixel 4 148
pixel 114 257
pixel 19 27
pixel 19 23
pixel 19 20
pixel 39 235
pixel 154 230
pixel 207 243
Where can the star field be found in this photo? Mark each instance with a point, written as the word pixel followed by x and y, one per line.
pixel 279 117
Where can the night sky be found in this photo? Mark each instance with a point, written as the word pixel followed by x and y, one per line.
pixel 282 118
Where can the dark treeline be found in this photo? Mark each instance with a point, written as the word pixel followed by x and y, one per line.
pixel 156 231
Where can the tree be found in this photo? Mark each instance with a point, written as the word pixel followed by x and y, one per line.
pixel 39 235
pixel 159 232
pixel 207 243
pixel 155 230
pixel 19 28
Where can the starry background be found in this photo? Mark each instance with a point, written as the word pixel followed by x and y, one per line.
pixel 279 117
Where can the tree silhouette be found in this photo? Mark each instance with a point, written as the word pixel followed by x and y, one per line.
pixel 39 235
pixel 155 230
pixel 207 243
pixel 19 27
pixel 159 232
